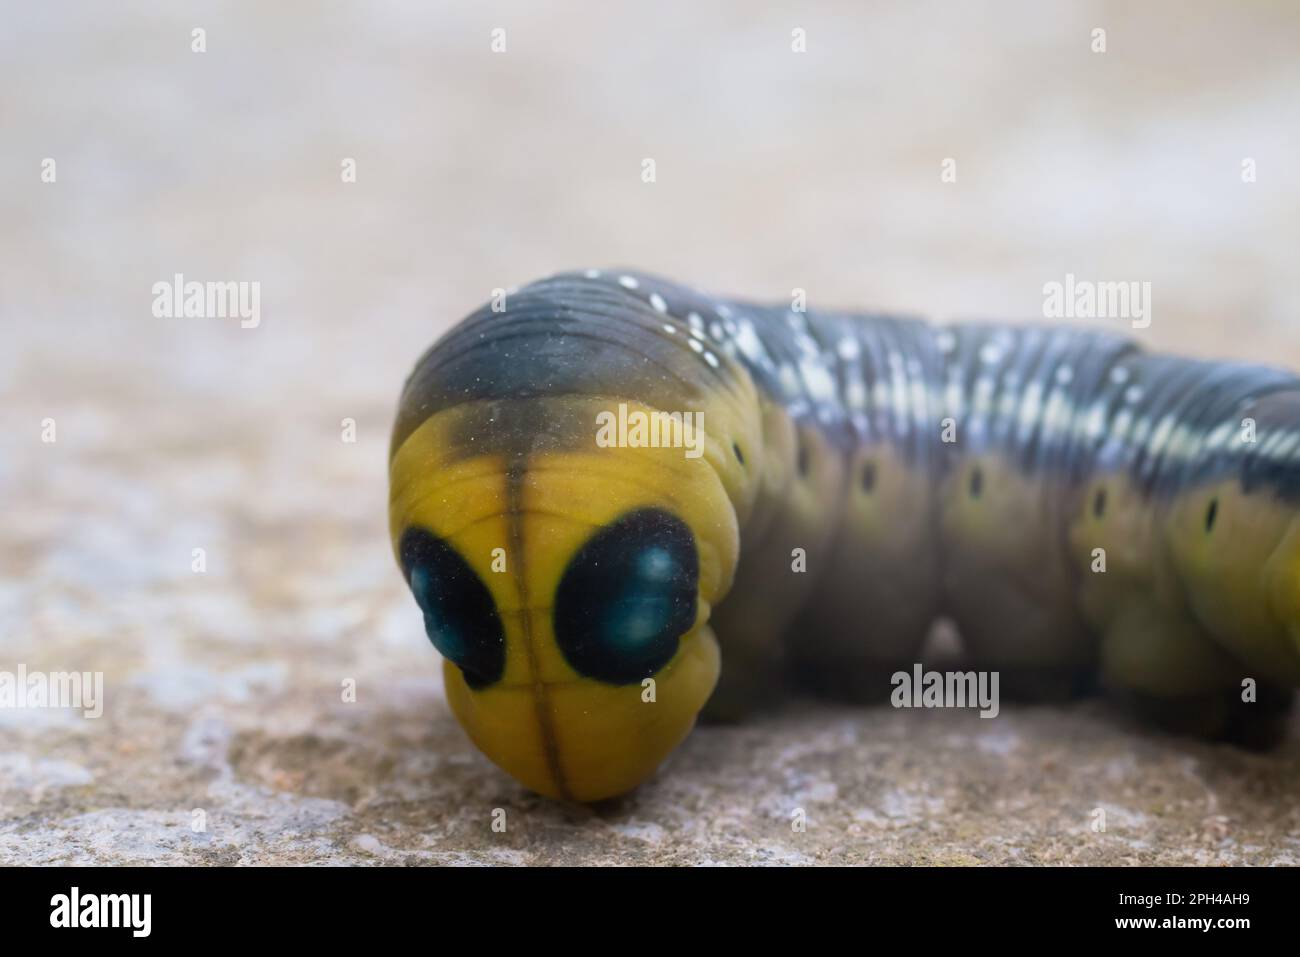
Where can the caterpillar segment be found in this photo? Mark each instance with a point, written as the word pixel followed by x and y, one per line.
pixel 815 489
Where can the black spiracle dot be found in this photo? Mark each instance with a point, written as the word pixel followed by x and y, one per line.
pixel 740 456
pixel 1099 503
pixel 1211 514
pixel 869 477
pixel 976 483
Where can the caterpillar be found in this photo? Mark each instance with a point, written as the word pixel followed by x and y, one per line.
pixel 616 500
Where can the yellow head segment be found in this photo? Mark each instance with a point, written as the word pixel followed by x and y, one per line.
pixel 568 589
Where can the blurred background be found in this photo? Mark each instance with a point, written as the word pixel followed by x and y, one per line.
pixel 475 170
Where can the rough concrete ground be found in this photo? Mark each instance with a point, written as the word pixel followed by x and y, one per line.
pixel 223 692
pixel 224 688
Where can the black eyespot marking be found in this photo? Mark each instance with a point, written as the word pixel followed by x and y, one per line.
pixel 1099 503
pixel 1211 514
pixel 740 456
pixel 869 477
pixel 802 459
pixel 460 616
pixel 976 483
pixel 628 596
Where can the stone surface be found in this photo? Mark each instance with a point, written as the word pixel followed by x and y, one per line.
pixel 223 689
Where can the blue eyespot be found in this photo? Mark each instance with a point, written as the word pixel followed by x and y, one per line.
pixel 627 597
pixel 460 617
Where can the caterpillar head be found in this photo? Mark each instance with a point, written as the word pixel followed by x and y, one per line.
pixel 568 589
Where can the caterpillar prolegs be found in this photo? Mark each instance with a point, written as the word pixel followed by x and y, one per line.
pixel 595 475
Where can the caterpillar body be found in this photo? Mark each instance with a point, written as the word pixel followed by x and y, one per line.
pixel 804 493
